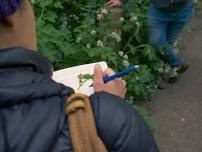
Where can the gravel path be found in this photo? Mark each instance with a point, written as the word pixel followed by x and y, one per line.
pixel 178 108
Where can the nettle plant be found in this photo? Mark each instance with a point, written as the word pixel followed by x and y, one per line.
pixel 82 31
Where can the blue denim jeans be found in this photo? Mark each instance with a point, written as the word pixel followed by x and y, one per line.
pixel 164 27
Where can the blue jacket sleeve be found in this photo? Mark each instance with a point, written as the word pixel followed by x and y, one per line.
pixel 120 126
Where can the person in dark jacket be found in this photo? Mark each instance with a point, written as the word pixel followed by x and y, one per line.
pixel 166 20
pixel 32 117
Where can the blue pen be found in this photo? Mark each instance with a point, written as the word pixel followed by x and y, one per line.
pixel 120 74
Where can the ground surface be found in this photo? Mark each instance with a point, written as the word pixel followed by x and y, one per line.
pixel 178 108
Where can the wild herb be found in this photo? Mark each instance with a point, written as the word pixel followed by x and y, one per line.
pixel 83 78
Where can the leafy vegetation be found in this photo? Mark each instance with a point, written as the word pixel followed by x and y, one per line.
pixel 80 32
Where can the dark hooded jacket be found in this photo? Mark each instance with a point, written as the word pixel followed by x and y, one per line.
pixel 172 4
pixel 32 110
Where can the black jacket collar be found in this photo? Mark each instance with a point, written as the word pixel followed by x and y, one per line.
pixel 25 75
pixel 21 57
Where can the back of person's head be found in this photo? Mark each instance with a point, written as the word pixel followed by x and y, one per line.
pixel 17 24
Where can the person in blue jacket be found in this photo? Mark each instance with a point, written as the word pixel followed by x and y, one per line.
pixel 166 20
pixel 32 117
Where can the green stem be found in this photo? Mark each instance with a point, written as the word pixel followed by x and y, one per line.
pixel 129 41
pixel 81 84
pixel 40 17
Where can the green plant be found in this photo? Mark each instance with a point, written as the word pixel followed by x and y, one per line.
pixel 82 31
pixel 83 78
pixel 73 32
pixel 147 115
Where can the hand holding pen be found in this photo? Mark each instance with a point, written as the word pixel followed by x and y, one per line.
pixel 117 86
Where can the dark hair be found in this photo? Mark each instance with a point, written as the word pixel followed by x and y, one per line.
pixel 8 7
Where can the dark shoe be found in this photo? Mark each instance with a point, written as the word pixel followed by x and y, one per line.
pixel 161 85
pixel 180 71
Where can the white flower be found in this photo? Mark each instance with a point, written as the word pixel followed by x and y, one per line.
pixel 160 70
pixel 104 11
pixel 125 63
pixel 121 19
pixel 100 43
pixel 88 46
pixel 93 32
pixel 125 57
pixel 137 78
pixel 32 1
pixel 78 39
pixel 116 36
pixel 100 17
pixel 167 69
pixel 75 17
pixel 133 19
pixel 137 23
pixel 118 39
pixel 121 53
pixel 148 51
pixel 147 86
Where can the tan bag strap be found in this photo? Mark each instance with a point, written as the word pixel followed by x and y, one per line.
pixel 82 125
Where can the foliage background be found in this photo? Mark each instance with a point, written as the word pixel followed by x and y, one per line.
pixel 80 32
pixel 77 32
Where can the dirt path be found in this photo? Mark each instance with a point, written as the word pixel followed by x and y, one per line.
pixel 178 108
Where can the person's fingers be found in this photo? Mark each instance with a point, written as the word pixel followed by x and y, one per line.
pixel 108 72
pixel 124 83
pixel 98 75
pixel 112 5
pixel 107 4
pixel 124 88
pixel 124 92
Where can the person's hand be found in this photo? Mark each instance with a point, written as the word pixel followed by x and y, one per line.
pixel 112 3
pixel 116 87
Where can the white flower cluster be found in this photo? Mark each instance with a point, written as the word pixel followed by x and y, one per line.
pixel 125 61
pixel 32 1
pixel 160 70
pixel 100 17
pixel 121 53
pixel 103 11
pixel 121 19
pixel 88 46
pixel 137 24
pixel 116 36
pixel 149 51
pixel 100 43
pixel 133 19
pixel 78 39
pixel 137 78
pixel 74 17
pixel 93 32
pixel 125 57
pixel 167 69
